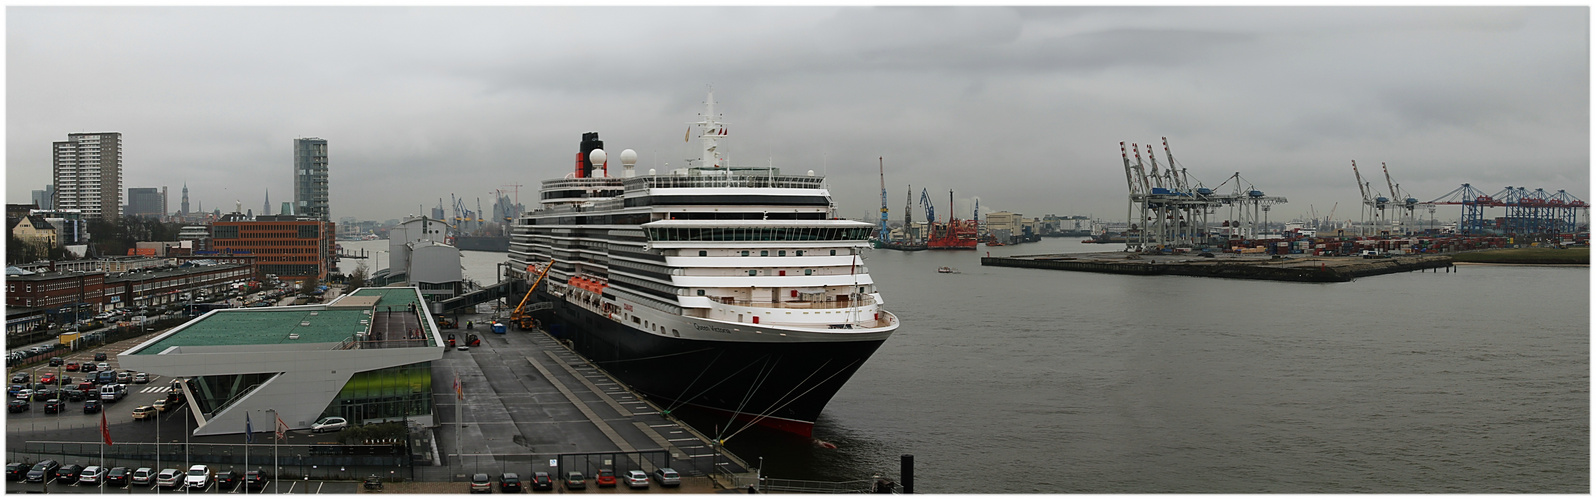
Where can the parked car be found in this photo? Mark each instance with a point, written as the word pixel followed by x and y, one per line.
pixel 16 471
pixel 72 366
pixel 329 424
pixel 14 389
pixel 25 395
pixel 168 478
pixel 17 406
pixel 141 378
pixel 509 482
pixel 68 474
pixel 541 481
pixel 46 395
pixel 117 476
pixel 43 471
pixel 20 378
pixel 73 395
pixel 57 361
pixel 199 476
pixel 86 386
pixel 635 479
pixel 668 477
pixel 226 480
pixel 105 377
pixel 575 481
pixel 91 476
pixel 91 406
pixel 144 412
pixel 54 406
pixel 142 476
pixel 605 478
pixel 254 480
pixel 47 378
pixel 124 377
pixel 99 356
pixel 66 380
pixel 112 393
pixel 103 366
pixel 481 484
pixel 88 367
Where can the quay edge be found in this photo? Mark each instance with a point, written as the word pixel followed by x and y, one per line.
pixel 1310 270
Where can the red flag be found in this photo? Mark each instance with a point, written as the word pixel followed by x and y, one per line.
pixel 105 432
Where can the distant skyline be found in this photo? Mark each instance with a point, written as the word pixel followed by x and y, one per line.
pixel 1023 107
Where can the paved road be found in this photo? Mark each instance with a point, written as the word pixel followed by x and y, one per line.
pixel 528 399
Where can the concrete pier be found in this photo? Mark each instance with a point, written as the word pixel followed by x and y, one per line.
pixel 1302 268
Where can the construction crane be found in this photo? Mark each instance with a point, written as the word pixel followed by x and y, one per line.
pixel 930 209
pixel 520 317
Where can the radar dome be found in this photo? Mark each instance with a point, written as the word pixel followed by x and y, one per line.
pixel 628 157
pixel 598 157
pixel 811 173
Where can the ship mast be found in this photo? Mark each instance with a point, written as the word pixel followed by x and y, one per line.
pixel 710 131
pixel 881 164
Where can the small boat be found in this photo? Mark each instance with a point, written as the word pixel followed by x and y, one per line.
pixel 947 270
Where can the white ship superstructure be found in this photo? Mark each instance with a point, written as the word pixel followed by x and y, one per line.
pixel 713 269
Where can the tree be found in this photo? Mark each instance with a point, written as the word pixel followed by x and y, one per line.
pixel 357 279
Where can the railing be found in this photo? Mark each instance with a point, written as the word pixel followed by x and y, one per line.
pixel 828 304
pixel 743 181
pixel 769 485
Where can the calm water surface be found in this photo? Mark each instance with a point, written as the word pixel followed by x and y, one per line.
pixel 1006 380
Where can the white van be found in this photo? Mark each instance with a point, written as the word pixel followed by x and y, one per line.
pixel 112 392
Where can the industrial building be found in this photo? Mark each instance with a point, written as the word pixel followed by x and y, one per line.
pixel 421 258
pixel 365 356
pixel 146 202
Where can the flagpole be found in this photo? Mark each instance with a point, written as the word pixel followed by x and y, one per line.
pixel 276 467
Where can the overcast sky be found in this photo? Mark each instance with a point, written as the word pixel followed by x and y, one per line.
pixel 1023 108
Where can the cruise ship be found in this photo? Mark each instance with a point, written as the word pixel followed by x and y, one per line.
pixel 733 289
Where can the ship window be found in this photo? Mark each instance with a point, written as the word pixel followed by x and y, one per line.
pixel 702 253
pixel 781 253
pixel 834 252
pixel 753 272
pixel 745 253
pixel 861 289
pixel 700 293
pixel 764 253
pixel 809 272
pixel 800 253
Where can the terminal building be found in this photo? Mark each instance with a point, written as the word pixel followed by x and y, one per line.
pixel 365 356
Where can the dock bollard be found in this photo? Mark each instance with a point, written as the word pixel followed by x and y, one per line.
pixel 906 470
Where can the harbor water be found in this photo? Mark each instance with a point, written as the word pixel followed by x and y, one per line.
pixel 1007 380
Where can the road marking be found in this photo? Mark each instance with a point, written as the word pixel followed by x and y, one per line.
pixel 683 439
pixel 608 431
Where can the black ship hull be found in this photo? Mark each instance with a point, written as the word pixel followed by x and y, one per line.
pixel 778 385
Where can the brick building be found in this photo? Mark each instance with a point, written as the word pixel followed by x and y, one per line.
pixel 289 246
pixel 138 290
pixel 58 292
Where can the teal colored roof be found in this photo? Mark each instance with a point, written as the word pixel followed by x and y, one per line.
pixel 265 326
pixel 395 297
pixel 273 325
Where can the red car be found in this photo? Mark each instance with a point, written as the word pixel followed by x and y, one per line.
pixel 605 479
pixel 72 366
pixel 47 378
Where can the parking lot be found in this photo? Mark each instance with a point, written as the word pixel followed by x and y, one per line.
pixel 284 487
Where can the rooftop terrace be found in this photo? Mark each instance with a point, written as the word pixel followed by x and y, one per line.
pixel 336 322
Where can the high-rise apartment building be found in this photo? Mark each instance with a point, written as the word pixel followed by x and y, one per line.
pixel 145 202
pixel 310 178
pixel 45 198
pixel 88 174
